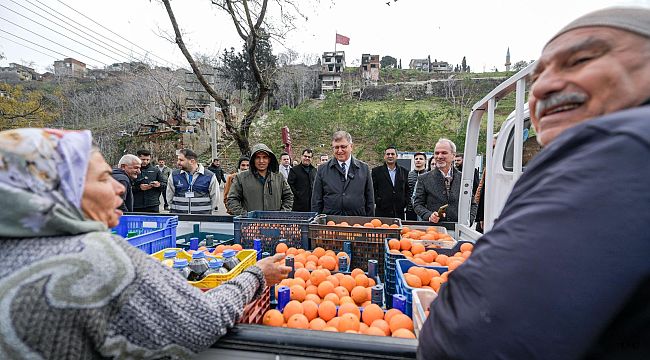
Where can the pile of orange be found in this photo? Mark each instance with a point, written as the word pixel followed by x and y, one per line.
pixel 374 223
pixel 424 278
pixel 430 234
pixel 417 253
pixel 348 319
pixel 318 258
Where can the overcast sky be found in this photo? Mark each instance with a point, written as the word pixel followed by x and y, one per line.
pixel 446 30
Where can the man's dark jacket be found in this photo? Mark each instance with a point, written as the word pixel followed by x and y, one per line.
pixel 127 197
pixel 147 198
pixel 431 193
pixel 334 194
pixel 218 172
pixel 564 272
pixel 390 200
pixel 301 180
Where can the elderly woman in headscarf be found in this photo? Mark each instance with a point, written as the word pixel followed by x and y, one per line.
pixel 70 289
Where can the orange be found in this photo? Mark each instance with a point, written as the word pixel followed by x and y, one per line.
pixel 220 249
pixel 237 247
pixel 330 223
pixel 368 225
pixel 327 310
pixel 359 294
pixel 366 303
pixel 413 280
pixel 453 264
pixel 300 282
pixel 311 289
pixel 429 256
pixel 422 273
pixel 300 258
pixel 348 282
pixel 347 322
pixel 340 291
pixel 333 279
pixel 390 313
pixel 348 308
pixel 330 253
pixel 313 297
pixel 298 293
pixel 327 272
pixel 376 222
pixel 400 321
pixel 357 225
pixel 327 262
pixel 393 244
pixel 273 318
pixel 293 307
pixel 312 258
pixel 394 226
pixel 346 299
pixel 419 261
pixel 466 247
pixel 334 322
pixel 298 321
pixel 318 252
pixel 405 229
pixel 302 273
pixel 433 272
pixel 361 280
pixel 325 288
pixel 317 324
pixel 394 251
pixel 310 265
pixel 371 282
pixel 292 251
pixel 281 248
pixel 333 298
pixel 362 328
pixel 310 309
pixel 404 333
pixel 442 259
pixel 384 226
pixel 355 272
pixel 344 223
pixel 466 254
pixel 374 331
pixel 382 325
pixel 417 248
pixel 318 276
pixel 371 313
pixel 330 328
pixel 435 283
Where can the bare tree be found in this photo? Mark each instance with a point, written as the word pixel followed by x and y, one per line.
pixel 248 16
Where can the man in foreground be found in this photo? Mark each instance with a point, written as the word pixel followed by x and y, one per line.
pixel 564 273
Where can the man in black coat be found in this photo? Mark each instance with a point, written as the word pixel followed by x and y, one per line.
pixel 147 186
pixel 216 169
pixel 301 180
pixel 128 169
pixel 390 184
pixel 343 185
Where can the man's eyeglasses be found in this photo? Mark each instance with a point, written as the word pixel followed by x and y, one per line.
pixel 342 147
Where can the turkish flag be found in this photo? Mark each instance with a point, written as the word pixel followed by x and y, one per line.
pixel 343 40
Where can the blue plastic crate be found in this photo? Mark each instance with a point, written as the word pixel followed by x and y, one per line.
pixel 155 233
pixel 271 226
pixel 389 268
pixel 403 288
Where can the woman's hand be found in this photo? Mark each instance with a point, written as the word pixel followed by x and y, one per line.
pixel 273 273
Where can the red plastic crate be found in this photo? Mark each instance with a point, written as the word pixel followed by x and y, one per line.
pixel 254 312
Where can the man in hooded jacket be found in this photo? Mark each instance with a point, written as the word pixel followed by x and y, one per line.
pixel 261 187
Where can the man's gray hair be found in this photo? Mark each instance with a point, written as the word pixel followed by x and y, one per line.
pixel 129 159
pixel 451 144
pixel 341 134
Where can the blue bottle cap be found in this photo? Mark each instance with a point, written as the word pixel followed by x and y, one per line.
pixel 215 264
pixel 229 253
pixel 198 255
pixel 180 263
pixel 170 254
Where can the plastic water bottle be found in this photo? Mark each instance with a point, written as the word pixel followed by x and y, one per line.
pixel 229 259
pixel 168 258
pixel 215 267
pixel 257 246
pixel 180 265
pixel 198 265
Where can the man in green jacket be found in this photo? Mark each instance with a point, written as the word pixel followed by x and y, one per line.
pixel 261 187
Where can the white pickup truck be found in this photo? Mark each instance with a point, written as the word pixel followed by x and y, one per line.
pixel 503 163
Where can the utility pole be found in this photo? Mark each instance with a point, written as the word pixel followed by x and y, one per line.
pixel 198 99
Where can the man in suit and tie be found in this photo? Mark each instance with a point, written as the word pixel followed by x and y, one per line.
pixel 343 185
pixel 390 183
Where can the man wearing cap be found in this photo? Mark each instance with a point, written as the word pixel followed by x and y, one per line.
pixel 564 273
pixel 261 187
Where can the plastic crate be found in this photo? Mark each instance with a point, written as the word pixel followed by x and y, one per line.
pixel 254 312
pixel 155 233
pixel 455 249
pixel 403 288
pixel 247 258
pixel 422 298
pixel 367 243
pixel 389 268
pixel 271 226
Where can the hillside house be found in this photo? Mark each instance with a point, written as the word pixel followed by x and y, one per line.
pixel 70 67
pixel 332 66
pixel 370 68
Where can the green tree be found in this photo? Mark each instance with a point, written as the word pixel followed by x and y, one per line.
pixel 463 65
pixel 22 108
pixel 388 62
